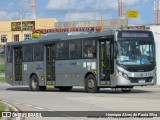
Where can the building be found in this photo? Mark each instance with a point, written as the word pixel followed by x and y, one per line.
pixel 105 24
pixel 74 26
pixel 11 31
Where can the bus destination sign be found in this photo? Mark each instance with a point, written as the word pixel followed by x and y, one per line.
pixel 132 34
pixel 126 34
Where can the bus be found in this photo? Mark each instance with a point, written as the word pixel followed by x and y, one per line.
pixel 118 59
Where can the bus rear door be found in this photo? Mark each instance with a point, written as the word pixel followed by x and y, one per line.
pixel 18 65
pixel 50 64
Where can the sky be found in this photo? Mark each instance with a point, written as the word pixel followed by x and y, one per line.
pixel 77 10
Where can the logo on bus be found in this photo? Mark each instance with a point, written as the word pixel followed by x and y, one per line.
pixel 59 65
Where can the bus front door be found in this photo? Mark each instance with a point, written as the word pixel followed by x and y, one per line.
pixel 105 48
pixel 18 65
pixel 50 64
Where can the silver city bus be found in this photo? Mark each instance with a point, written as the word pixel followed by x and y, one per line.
pixel 107 59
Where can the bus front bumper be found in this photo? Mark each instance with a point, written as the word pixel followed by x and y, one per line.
pixel 121 81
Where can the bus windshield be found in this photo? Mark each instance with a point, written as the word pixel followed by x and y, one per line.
pixel 136 52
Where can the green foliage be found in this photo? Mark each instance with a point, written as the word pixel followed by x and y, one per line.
pixel 2 79
pixel 2 68
pixel 2 107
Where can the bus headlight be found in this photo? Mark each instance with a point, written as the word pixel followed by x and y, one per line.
pixel 120 73
pixel 154 77
pixel 123 74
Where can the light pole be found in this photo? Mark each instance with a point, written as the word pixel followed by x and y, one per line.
pixel 94 11
pixel 21 24
pixel 69 14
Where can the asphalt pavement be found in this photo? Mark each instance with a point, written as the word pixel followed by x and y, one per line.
pixel 139 99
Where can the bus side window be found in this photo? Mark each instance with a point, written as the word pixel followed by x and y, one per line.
pixel 75 48
pixel 62 50
pixel 9 54
pixel 38 52
pixel 89 49
pixel 27 53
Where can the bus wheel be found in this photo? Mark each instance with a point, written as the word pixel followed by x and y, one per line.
pixel 91 84
pixel 42 88
pixel 34 84
pixel 65 89
pixel 126 90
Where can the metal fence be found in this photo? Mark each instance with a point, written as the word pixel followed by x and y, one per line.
pixel 106 24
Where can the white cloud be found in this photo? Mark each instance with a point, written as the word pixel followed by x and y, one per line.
pixel 78 16
pixel 107 4
pixel 9 16
pixel 77 10
pixel 60 4
pixel 81 4
pixel 89 4
pixel 131 2
pixel 146 1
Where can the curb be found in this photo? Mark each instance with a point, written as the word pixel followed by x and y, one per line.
pixel 12 107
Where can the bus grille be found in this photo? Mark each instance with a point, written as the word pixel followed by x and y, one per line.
pixel 136 80
pixel 137 69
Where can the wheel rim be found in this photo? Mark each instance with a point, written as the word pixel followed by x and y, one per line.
pixel 90 83
pixel 34 83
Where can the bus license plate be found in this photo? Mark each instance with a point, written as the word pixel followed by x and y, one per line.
pixel 141 81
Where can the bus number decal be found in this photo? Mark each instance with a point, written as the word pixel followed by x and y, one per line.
pixel 93 65
pixel 25 66
pixel 84 64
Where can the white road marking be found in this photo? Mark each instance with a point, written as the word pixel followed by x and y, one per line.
pixel 39 108
pixel 27 105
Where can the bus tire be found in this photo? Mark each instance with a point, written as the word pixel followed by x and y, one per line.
pixel 65 89
pixel 42 88
pixel 34 83
pixel 91 84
